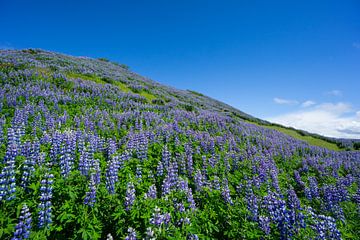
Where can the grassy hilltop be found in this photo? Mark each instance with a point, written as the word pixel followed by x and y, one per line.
pixel 91 150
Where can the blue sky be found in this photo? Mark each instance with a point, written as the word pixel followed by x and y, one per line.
pixel 292 62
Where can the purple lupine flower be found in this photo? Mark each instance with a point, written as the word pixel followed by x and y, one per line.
pixel 264 223
pixel 3 185
pixel 307 193
pixel 35 154
pixel 212 161
pixel 204 166
pixel 130 196
pixel 226 192
pixel 28 168
pixel 22 229
pixel 157 218
pixel 90 197
pixel 166 155
pixel 190 167
pixel 226 162
pixel 2 123
pixel 173 174
pixel 112 174
pixel 216 183
pixel 97 171
pixel 150 234
pixel 182 185
pixel 66 157
pixel 180 207
pixel 159 169
pixel 166 186
pixel 138 173
pixel 167 218
pixel 110 178
pixel 356 198
pixel 298 179
pixel 192 237
pixel 325 226
pixel 142 148
pixel 275 180
pixel 278 213
pixel 332 196
pixel 198 180
pixel 182 164
pixel 45 201
pixel 131 235
pixel 313 185
pixel 86 157
pixel 187 221
pixel 295 216
pixel 190 199
pixel 55 147
pixel 152 192
pixel 7 176
pixel 111 148
pixel 252 203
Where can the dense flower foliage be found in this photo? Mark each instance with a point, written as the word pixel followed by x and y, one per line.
pixel 90 150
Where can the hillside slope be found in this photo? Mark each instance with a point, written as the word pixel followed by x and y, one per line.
pixel 91 150
pixel 102 71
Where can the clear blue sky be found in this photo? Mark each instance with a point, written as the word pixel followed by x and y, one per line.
pixel 264 57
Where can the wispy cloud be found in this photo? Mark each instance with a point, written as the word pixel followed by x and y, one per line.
pixel 329 119
pixel 285 101
pixel 356 45
pixel 308 103
pixel 335 92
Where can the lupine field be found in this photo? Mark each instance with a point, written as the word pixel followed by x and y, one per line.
pixel 90 150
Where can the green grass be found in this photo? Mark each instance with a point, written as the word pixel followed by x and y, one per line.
pixel 309 139
pixel 148 96
pixel 88 77
pixel 123 87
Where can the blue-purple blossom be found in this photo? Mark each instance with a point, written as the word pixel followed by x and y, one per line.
pixel 45 206
pixel 7 175
pixel 313 185
pixel 226 193
pixel 130 196
pixel 22 229
pixel 150 234
pixel 151 192
pixel 264 224
pixel 325 226
pixel 198 180
pixel 157 218
pixel 131 234
pixel 90 197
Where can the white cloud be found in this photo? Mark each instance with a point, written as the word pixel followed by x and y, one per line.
pixel 336 93
pixel 308 103
pixel 285 101
pixel 327 119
